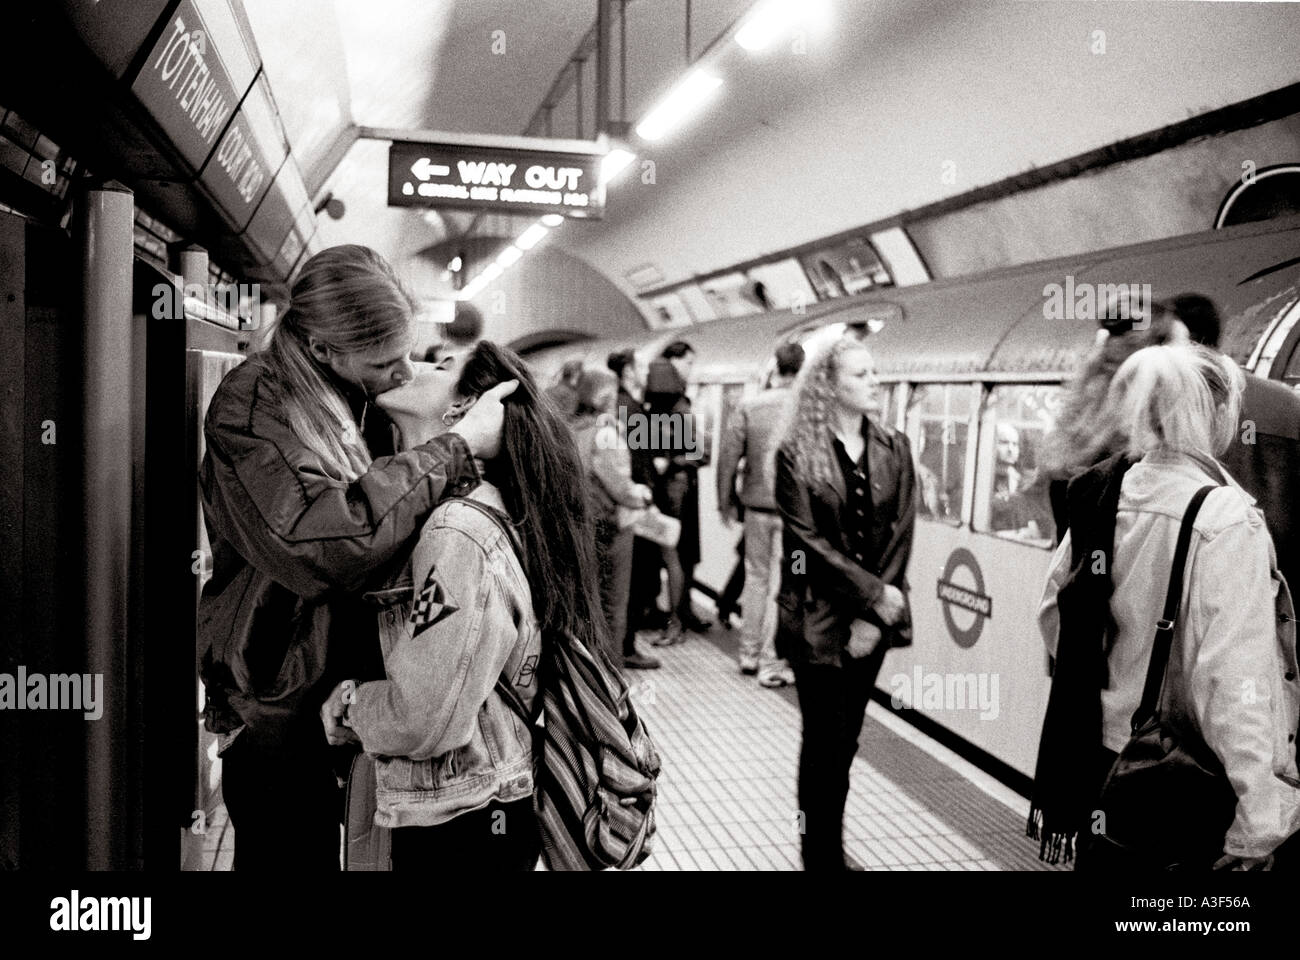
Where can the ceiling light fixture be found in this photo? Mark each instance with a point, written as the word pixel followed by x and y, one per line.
pixel 530 237
pixel 614 163
pixel 686 98
pixel 768 22
pixel 552 220
pixel 508 256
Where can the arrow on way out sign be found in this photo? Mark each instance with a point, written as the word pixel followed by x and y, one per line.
pixel 423 169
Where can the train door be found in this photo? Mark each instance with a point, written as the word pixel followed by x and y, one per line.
pixel 976 666
pixel 713 405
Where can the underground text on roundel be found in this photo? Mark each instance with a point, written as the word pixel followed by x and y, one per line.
pixel 75 913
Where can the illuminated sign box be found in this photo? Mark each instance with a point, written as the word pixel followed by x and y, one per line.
pixel 242 168
pixel 195 76
pixel 503 180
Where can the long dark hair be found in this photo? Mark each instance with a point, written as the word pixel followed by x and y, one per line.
pixel 544 487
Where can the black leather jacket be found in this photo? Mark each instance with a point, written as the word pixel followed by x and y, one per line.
pixel 821 596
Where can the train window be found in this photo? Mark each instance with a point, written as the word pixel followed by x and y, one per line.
pixel 1011 497
pixel 938 424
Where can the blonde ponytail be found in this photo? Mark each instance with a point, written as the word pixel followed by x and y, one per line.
pixel 348 298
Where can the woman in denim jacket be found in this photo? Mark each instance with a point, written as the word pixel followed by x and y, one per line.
pixel 1233 670
pixel 454 761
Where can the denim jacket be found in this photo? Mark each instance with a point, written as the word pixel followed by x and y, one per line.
pixel 444 740
pixel 1233 668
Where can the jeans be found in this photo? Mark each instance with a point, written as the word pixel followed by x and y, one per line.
pixel 499 838
pixel 763 557
pixel 833 702
pixel 614 553
pixel 283 799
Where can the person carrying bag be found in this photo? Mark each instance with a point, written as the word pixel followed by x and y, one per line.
pixel 1170 748
pixel 1167 802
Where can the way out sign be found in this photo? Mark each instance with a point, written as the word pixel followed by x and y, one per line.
pixel 494 178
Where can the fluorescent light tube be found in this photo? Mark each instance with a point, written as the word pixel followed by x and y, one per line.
pixel 614 163
pixel 687 97
pixel 530 237
pixel 768 22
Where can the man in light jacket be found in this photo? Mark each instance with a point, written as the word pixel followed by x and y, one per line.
pixel 752 439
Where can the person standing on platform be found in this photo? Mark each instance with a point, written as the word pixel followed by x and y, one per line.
pixel 1177 407
pixel 846 489
pixel 647 559
pixel 752 438
pixel 468 620
pixel 563 393
pixel 614 497
pixel 677 493
pixel 300 518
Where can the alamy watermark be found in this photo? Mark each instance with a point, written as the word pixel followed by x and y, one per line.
pixel 58 691
pixel 946 691
pixel 1098 301
pixel 232 299
pixel 75 913
pixel 661 432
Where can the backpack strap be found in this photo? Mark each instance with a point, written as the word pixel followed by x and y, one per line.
pixel 503 687
pixel 1165 625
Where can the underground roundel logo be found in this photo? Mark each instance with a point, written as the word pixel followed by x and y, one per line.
pixel 433 605
pixel 962 599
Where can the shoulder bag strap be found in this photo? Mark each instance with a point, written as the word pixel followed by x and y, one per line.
pixel 507 692
pixel 1165 626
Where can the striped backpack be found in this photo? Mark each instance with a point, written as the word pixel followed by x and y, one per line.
pixel 596 765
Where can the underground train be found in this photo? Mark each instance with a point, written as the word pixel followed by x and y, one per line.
pixel 972 369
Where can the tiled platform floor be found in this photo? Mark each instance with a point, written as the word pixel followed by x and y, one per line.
pixel 730 750
pixel 727 791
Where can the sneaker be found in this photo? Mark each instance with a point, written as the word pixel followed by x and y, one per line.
pixel 672 634
pixel 639 661
pixel 780 677
pixel 748 665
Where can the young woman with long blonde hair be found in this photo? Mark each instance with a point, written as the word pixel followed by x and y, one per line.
pixel 300 517
pixel 846 489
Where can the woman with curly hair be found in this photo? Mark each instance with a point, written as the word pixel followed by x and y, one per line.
pixel 846 489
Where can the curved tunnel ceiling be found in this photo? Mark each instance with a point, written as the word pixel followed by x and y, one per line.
pixel 886 107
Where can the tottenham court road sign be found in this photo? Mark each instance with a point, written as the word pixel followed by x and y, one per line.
pixel 495 179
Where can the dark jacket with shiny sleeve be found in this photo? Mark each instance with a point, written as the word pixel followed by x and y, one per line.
pixel 822 589
pixel 292 547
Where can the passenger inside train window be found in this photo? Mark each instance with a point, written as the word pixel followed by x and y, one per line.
pixel 938 421
pixel 1019 507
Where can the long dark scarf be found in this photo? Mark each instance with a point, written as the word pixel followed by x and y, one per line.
pixel 1065 784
